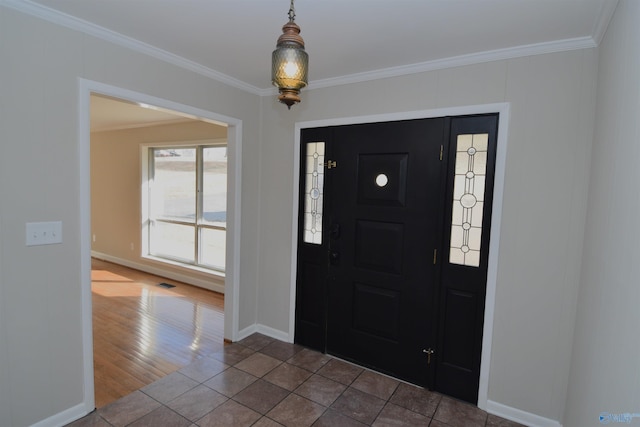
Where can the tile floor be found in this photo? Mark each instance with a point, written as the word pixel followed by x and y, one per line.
pixel 263 382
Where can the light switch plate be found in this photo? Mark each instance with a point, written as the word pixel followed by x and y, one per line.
pixel 43 233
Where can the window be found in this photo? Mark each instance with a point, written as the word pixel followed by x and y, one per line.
pixel 313 193
pixel 186 198
pixel 468 199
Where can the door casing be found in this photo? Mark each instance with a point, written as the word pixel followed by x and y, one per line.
pixel 234 137
pixel 503 110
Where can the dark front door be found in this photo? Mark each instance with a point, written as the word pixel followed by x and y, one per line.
pixel 385 204
pixel 373 230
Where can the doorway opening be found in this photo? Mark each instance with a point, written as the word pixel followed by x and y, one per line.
pixel 225 257
pixel 158 205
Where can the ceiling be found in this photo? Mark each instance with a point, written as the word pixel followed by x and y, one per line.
pixel 347 40
pixel 111 114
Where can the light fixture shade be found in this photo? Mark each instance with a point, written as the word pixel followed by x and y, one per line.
pixel 290 67
pixel 290 64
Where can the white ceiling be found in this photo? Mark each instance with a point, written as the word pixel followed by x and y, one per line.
pixel 111 114
pixel 347 40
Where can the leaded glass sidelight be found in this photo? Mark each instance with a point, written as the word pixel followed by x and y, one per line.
pixel 468 199
pixel 313 193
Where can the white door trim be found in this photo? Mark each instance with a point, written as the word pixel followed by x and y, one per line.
pixel 496 218
pixel 234 141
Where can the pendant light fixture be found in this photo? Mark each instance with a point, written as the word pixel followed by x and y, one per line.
pixel 290 62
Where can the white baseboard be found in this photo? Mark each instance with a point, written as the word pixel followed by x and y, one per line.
pixel 249 330
pixel 264 330
pixel 201 283
pixel 65 417
pixel 519 416
pixel 273 333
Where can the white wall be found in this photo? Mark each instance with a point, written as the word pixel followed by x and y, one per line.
pixel 605 375
pixel 552 101
pixel 41 370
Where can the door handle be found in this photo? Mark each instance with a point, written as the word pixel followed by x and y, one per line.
pixel 334 232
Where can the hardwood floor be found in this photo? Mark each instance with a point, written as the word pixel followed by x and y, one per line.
pixel 143 332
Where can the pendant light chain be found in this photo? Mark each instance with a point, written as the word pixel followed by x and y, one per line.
pixel 292 12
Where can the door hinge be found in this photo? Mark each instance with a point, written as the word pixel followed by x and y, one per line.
pixel 435 256
pixel 428 352
pixel 441 150
pixel 331 164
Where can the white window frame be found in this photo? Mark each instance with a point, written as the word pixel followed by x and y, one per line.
pixel 146 215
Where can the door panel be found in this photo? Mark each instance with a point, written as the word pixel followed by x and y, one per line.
pixel 385 194
pixel 378 246
pixel 460 315
pixel 376 311
pixel 374 170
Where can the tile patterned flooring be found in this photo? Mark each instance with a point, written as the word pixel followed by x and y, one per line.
pixel 262 382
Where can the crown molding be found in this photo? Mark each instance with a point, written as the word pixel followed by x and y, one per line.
pixel 607 9
pixel 457 61
pixel 73 23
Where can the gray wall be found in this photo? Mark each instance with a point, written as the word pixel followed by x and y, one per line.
pixel 605 376
pixel 552 101
pixel 40 287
